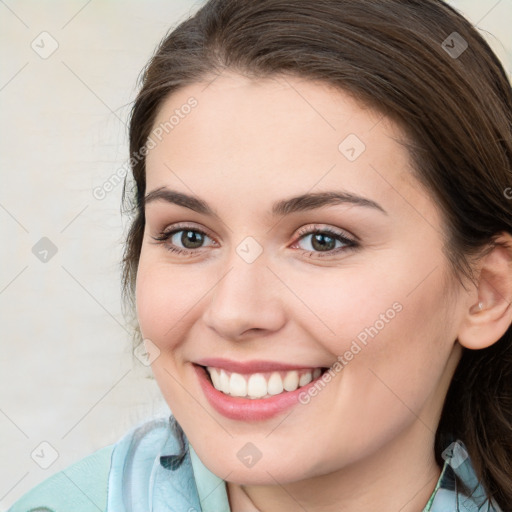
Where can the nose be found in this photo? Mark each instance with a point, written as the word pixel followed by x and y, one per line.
pixel 247 300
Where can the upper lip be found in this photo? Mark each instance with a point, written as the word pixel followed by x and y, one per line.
pixel 253 366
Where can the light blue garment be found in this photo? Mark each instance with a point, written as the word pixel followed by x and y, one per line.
pixel 139 481
pixel 81 487
pixel 154 469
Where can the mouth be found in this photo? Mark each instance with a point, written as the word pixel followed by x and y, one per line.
pixel 260 385
pixel 250 395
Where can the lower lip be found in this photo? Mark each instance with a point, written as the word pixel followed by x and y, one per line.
pixel 247 409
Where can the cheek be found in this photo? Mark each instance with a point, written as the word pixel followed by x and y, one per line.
pixel 392 364
pixel 169 299
pixel 391 299
pixel 159 303
pixel 404 361
pixel 391 329
pixel 350 303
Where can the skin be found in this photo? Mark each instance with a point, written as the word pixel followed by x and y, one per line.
pixel 365 442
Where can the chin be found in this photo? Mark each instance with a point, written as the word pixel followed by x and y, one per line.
pixel 263 472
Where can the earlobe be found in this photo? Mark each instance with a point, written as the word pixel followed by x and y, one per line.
pixel 490 315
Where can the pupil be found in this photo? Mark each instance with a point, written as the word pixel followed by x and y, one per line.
pixel 191 237
pixel 322 245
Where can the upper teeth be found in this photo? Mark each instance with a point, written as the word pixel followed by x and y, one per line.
pixel 260 385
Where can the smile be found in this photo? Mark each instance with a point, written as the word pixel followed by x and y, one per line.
pixel 255 390
pixel 260 385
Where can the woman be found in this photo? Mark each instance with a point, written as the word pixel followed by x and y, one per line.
pixel 321 266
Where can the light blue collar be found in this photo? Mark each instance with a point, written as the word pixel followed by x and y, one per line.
pixel 211 489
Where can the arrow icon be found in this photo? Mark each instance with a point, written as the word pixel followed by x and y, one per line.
pixel 44 45
pixel 44 455
pixel 147 352
pixel 454 45
pixel 249 455
pixel 249 249
pixel 351 147
pixel 44 250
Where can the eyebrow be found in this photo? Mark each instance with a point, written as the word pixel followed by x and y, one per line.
pixel 304 202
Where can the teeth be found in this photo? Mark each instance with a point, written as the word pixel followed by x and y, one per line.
pixel 291 381
pixel 306 378
pixel 223 382
pixel 257 386
pixel 237 385
pixel 215 379
pixel 275 384
pixel 260 385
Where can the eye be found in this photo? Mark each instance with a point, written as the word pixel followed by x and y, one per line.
pixel 325 240
pixel 190 237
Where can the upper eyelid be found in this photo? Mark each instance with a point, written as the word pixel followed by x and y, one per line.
pixel 343 233
pixel 177 227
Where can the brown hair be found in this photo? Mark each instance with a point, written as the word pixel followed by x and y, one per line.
pixel 455 109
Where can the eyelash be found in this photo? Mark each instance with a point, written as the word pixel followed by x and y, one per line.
pixel 349 243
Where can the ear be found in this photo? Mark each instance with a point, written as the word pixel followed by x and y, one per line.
pixel 489 308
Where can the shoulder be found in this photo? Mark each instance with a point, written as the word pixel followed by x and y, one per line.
pixel 90 483
pixel 81 487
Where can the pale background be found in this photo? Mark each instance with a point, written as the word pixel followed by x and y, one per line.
pixel 68 375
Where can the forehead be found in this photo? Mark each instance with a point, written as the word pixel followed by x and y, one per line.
pixel 260 135
pixel 258 109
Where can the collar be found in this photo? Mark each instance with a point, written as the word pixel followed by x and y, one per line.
pixel 211 489
pixel 448 494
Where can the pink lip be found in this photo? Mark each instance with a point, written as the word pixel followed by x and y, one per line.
pixel 249 366
pixel 246 409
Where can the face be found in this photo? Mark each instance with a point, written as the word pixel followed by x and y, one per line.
pixel 272 291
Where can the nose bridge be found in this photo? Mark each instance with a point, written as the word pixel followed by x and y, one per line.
pixel 244 298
